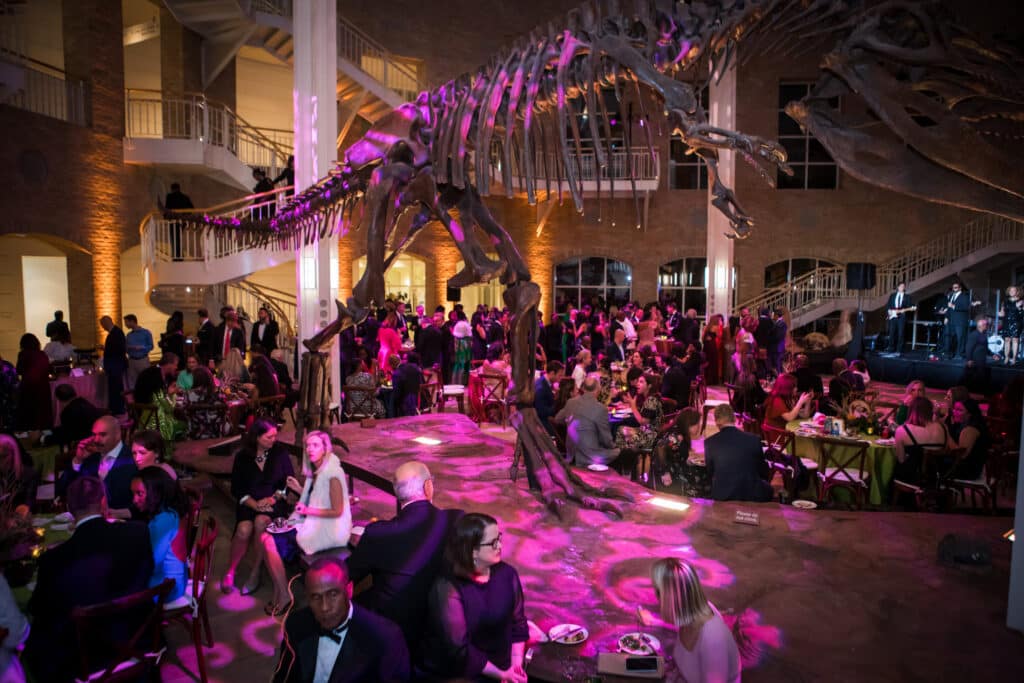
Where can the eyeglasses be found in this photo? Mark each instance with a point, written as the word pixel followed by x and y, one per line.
pixel 493 545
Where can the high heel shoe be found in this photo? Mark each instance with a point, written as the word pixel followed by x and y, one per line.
pixel 227 584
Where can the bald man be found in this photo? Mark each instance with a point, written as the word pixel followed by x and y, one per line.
pixel 404 555
pixel 103 455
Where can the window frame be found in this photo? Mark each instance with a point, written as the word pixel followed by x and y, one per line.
pixel 578 288
pixel 805 165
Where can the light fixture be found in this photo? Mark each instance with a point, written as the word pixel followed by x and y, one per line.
pixel 427 441
pixel 1009 535
pixel 669 503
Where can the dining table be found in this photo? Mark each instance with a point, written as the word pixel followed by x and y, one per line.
pixel 55 530
pixel 553 661
pixel 880 462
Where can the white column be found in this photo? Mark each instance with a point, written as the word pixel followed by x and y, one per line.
pixel 315 31
pixel 721 113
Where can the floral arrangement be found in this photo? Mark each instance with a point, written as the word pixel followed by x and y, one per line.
pixel 21 543
pixel 858 412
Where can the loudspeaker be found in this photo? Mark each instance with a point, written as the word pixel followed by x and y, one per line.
pixel 454 294
pixel 860 275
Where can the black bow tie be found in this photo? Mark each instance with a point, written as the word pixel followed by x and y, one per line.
pixel 334 634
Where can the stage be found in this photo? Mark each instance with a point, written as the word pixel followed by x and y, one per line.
pixel 824 595
pixel 935 373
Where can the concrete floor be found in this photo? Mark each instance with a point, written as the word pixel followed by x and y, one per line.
pixel 821 595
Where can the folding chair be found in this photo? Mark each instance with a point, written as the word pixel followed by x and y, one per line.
pixel 134 658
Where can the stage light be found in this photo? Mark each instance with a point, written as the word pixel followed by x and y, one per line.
pixel 1009 535
pixel 669 503
pixel 427 441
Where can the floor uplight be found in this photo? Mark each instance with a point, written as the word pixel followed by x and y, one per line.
pixel 427 441
pixel 669 503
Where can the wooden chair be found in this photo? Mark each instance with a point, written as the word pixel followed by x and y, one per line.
pixel 196 498
pixel 493 394
pixel 192 612
pixel 270 407
pixel 698 393
pixel 205 419
pixel 429 397
pixel 358 401
pixel 143 416
pixel 133 659
pixel 842 466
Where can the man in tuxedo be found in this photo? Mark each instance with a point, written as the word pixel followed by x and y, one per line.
pixel 334 641
pixel 588 432
pixel 617 351
pixel 228 335
pixel 674 319
pixel 205 334
pixel 104 456
pixel 100 562
pixel 898 300
pixel 429 343
pixel 115 364
pixel 265 331
pixel 403 556
pixel 735 461
pixel 544 393
pixel 958 314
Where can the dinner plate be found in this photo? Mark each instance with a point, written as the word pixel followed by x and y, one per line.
pixel 597 467
pixel 805 504
pixel 64 518
pixel 358 530
pixel 60 527
pixel 576 634
pixel 637 643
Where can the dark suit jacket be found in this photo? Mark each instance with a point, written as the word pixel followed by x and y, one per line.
pixel 735 464
pixel 118 482
pixel 237 341
pixel 205 334
pixel 269 339
pixel 115 350
pixel 76 420
pixel 403 556
pixel 407 379
pixel 907 302
pixel 544 401
pixel 284 378
pixel 616 354
pixel 808 380
pixel 977 348
pixel 374 650
pixel 960 312
pixel 676 384
pixel 430 346
pixel 101 561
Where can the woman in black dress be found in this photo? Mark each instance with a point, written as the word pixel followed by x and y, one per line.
pixel 1013 321
pixel 671 468
pixel 479 628
pixel 259 484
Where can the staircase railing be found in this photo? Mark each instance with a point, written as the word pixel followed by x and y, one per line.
pixel 46 90
pixel 166 240
pixel 829 283
pixel 620 163
pixel 250 296
pixel 152 114
pixel 372 58
pixel 281 8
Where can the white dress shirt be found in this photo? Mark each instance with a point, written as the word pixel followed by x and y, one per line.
pixel 327 651
pixel 105 464
pixel 899 300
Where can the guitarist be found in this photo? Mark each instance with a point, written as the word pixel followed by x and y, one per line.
pixel 899 303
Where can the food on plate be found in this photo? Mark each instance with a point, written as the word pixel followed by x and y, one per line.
pixel 636 642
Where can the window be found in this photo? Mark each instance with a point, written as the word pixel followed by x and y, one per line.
pixel 787 271
pixel 581 281
pixel 615 122
pixel 687 171
pixel 813 167
pixel 405 280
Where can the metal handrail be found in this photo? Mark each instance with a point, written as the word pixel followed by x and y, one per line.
pixel 251 296
pixel 621 162
pixel 829 283
pixel 281 8
pixel 354 45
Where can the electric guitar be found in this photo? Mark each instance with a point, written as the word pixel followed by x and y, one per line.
pixel 995 344
pixel 893 312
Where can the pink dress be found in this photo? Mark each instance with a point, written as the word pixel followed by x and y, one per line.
pixel 390 344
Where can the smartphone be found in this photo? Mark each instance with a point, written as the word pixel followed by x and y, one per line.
pixel 641 663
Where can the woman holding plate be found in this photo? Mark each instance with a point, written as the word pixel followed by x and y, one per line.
pixel 704 649
pixel 325 518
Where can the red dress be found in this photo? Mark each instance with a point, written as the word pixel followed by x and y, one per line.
pixel 35 405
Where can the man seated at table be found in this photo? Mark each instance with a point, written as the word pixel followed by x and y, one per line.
pixel 407 379
pixel 735 461
pixel 544 393
pixel 588 434
pixel 333 640
pixel 807 379
pixel 76 417
pixel 103 455
pixel 676 382
pixel 843 382
pixel 153 380
pixel 100 562
pixel 403 556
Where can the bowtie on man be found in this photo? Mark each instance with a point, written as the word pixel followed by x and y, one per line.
pixel 334 641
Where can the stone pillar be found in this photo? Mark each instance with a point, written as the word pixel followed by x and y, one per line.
pixel 315 27
pixel 721 113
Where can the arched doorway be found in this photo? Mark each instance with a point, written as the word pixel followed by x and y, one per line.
pixel 488 294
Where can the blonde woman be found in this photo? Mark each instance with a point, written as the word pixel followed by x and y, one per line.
pixel 232 369
pixel 705 649
pixel 1013 320
pixel 325 518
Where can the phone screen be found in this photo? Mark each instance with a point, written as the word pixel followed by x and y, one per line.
pixel 641 664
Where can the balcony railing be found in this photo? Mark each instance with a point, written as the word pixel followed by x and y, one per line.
pixel 47 91
pixel 151 114
pixel 636 161
pixel 370 56
pixel 165 240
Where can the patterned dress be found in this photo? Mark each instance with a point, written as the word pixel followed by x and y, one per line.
pixel 1013 319
pixel 644 436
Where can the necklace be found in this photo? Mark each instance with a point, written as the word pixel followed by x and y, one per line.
pixel 261 458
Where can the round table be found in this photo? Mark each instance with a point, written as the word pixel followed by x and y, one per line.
pixel 880 461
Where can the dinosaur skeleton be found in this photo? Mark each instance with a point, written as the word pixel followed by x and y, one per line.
pixel 903 59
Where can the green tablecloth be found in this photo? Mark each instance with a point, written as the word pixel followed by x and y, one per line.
pixel 880 462
pixel 51 537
